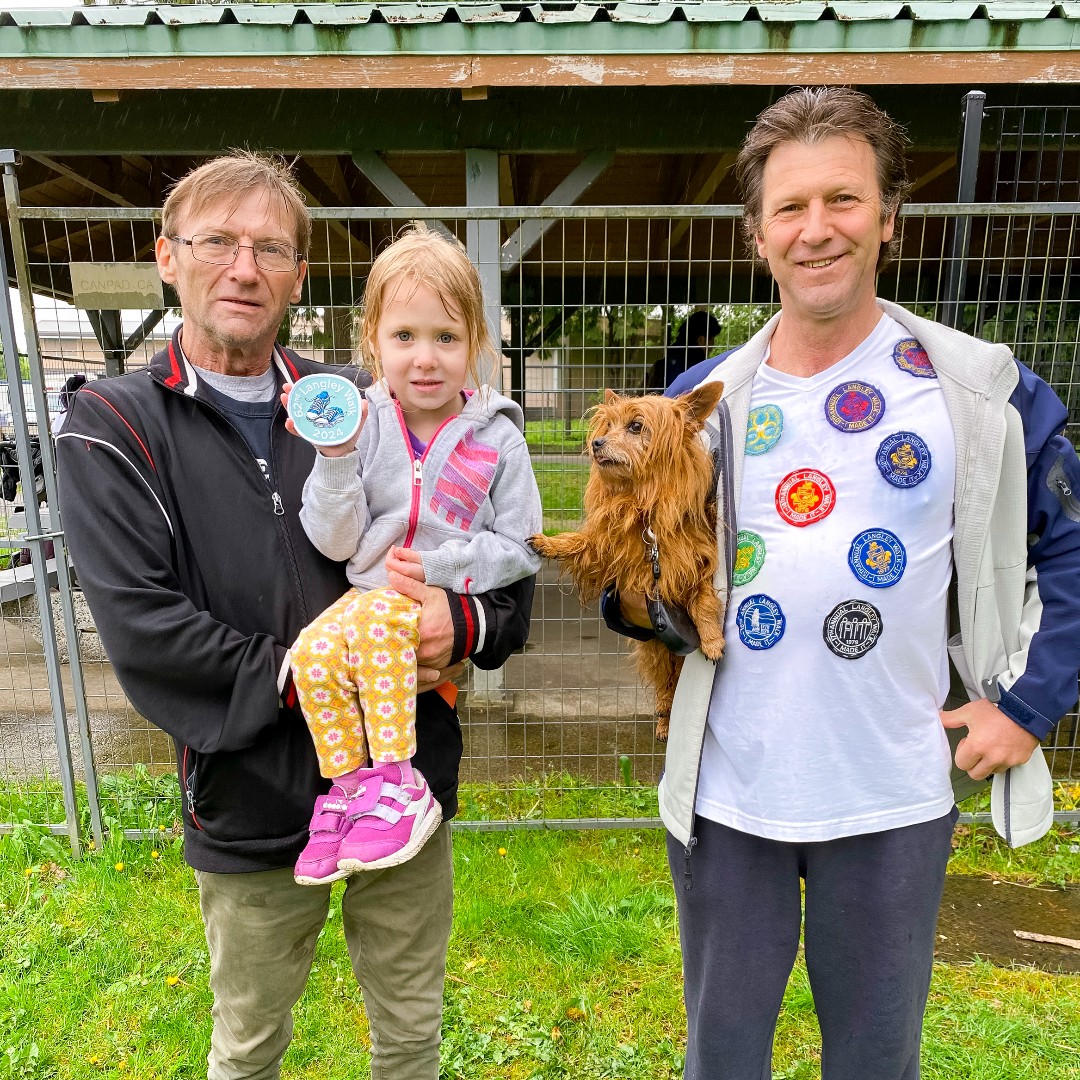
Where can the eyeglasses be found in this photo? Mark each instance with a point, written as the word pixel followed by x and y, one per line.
pixel 222 251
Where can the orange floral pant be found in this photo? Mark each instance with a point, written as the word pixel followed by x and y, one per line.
pixel 354 669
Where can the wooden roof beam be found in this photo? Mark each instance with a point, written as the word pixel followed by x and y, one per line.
pixel 568 192
pixel 705 192
pixel 71 174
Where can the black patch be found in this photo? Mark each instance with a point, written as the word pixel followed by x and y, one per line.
pixel 852 629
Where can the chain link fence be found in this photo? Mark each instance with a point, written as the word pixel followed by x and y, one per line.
pixel 588 299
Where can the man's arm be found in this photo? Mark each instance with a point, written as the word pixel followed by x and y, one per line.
pixel 1040 685
pixel 626 615
pixel 485 627
pixel 206 684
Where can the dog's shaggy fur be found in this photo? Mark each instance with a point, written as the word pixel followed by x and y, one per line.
pixel 650 470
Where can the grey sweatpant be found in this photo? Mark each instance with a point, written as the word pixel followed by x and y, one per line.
pixel 262 929
pixel 871 916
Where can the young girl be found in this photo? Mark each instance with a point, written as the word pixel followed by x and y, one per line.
pixel 438 479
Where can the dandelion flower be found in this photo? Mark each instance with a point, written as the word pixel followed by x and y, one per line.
pixel 155 854
pixel 171 980
pixel 502 851
pixel 119 867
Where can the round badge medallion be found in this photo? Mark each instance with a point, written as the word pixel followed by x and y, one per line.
pixel 910 356
pixel 877 558
pixel 854 406
pixel 805 496
pixel 852 629
pixel 749 556
pixel 764 426
pixel 326 409
pixel 760 621
pixel 904 459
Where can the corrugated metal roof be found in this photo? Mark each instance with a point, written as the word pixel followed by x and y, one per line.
pixel 1062 13
pixel 697 41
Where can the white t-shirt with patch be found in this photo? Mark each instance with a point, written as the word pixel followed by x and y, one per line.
pixel 824 714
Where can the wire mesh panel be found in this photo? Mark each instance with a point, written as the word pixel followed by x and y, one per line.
pixel 591 299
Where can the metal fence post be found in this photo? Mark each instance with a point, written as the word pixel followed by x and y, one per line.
pixel 482 189
pixel 55 528
pixel 36 536
pixel 952 310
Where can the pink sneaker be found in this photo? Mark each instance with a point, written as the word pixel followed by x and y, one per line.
pixel 318 862
pixel 392 816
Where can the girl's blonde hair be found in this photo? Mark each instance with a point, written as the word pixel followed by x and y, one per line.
pixel 422 256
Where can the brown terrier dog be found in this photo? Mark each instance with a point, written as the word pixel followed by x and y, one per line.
pixel 651 476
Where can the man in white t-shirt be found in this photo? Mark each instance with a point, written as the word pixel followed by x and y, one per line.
pixel 883 470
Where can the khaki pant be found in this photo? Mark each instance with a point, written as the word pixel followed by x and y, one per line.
pixel 262 929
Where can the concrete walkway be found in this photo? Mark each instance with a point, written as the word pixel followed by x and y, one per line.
pixel 570 702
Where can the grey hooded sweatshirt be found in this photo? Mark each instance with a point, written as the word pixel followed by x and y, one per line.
pixel 468 503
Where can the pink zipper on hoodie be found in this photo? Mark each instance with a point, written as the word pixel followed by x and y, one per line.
pixel 417 469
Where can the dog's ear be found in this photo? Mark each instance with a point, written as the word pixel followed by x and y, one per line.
pixel 701 402
pixel 610 396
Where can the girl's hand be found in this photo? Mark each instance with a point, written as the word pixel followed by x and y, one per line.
pixel 327 451
pixel 407 562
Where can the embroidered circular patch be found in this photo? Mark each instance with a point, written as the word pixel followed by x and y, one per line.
pixel 877 558
pixel 910 356
pixel 764 426
pixel 805 496
pixel 760 622
pixel 326 409
pixel 852 629
pixel 749 555
pixel 904 459
pixel 854 406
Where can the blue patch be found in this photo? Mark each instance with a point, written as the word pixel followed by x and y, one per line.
pixel 877 558
pixel 760 621
pixel 854 406
pixel 910 356
pixel 326 409
pixel 904 459
pixel 764 426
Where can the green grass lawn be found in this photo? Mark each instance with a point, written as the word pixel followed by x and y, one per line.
pixel 564 963
pixel 556 436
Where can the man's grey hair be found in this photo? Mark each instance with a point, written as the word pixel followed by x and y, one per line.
pixel 809 115
pixel 233 176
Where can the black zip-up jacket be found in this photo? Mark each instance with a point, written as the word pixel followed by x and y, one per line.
pixel 199 577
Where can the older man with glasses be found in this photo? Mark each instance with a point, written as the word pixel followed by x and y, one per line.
pixel 180 491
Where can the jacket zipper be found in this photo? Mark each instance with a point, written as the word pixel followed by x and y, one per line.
pixel 189 788
pixel 417 470
pixel 275 497
pixel 414 499
pixel 728 484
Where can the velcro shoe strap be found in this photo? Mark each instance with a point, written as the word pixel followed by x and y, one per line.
pixel 387 813
pixel 329 817
pixel 366 797
pixel 398 794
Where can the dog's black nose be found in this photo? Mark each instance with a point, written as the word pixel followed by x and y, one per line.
pixel 598 444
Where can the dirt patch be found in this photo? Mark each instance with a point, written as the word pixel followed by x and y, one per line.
pixel 979 915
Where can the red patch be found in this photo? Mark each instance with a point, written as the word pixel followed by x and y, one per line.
pixel 805 496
